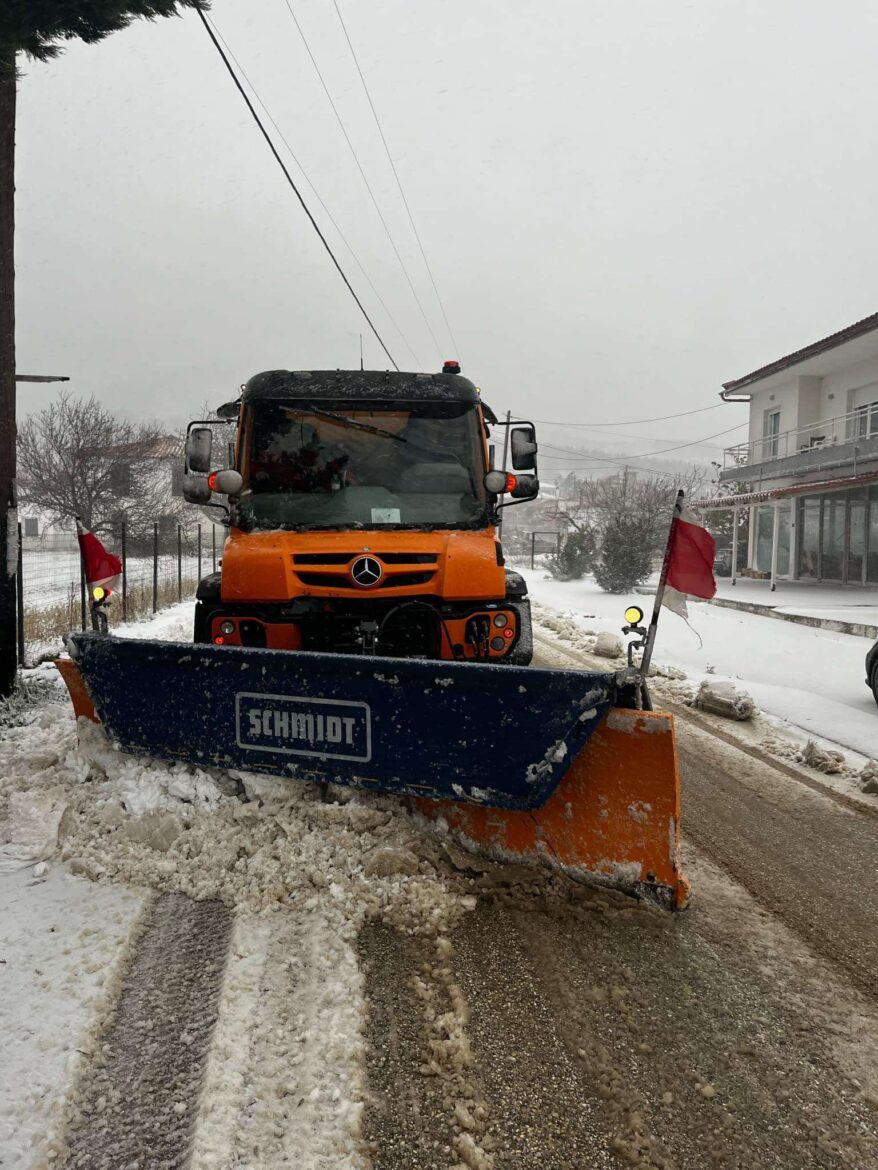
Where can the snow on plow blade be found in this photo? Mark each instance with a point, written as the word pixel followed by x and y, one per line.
pixel 517 741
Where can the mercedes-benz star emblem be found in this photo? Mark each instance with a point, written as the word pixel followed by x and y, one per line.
pixel 366 572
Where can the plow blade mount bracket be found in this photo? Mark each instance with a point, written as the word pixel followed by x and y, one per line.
pixel 498 736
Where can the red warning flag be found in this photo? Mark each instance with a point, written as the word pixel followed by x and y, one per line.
pixel 100 567
pixel 691 550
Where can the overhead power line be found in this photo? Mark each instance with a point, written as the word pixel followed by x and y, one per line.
pixel 368 185
pixel 405 201
pixel 316 194
pixel 289 179
pixel 626 422
pixel 648 454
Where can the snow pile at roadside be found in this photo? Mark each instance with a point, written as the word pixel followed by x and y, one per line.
pixel 776 736
pixel 811 678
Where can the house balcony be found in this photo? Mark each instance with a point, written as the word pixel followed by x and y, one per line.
pixel 844 442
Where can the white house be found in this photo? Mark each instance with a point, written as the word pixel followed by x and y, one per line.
pixel 808 472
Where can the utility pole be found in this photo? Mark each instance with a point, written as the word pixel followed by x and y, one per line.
pixel 8 516
pixel 506 439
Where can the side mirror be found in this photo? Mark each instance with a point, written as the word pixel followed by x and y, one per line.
pixel 199 444
pixel 196 489
pixel 523 444
pixel 527 487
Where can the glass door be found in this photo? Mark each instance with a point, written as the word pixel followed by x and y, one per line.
pixel 832 560
pixel 857 537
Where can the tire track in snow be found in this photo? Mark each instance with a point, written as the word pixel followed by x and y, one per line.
pixel 136 1103
pixel 282 1086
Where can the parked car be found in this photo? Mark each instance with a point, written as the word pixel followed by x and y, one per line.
pixel 722 562
pixel 872 670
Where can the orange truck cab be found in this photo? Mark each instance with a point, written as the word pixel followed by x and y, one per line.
pixel 363 512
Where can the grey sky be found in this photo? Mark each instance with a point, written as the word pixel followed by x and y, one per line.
pixel 623 204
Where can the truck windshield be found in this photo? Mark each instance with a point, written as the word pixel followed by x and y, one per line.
pixel 343 464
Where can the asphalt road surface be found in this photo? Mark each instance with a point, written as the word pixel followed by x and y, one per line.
pixel 556 1027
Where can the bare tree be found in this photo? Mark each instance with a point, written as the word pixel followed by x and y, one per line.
pixel 76 458
pixel 644 495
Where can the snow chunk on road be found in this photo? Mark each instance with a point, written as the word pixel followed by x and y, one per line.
pixel 724 698
pixel 29 831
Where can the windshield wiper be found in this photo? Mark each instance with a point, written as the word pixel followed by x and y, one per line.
pixel 352 422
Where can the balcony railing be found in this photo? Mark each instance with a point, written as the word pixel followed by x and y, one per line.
pixel 858 424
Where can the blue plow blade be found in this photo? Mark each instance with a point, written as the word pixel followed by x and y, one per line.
pixel 501 736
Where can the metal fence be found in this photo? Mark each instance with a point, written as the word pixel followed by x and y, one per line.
pixel 157 571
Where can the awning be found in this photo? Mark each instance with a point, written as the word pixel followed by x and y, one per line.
pixel 727 503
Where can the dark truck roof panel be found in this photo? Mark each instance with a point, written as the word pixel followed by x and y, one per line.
pixel 358 385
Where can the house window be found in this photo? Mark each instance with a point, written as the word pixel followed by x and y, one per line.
pixel 120 479
pixel 31 526
pixel 866 420
pixel 770 433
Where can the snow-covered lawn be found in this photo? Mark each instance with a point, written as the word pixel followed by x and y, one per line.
pixel 814 679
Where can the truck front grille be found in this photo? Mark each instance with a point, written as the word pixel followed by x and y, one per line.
pixel 341 581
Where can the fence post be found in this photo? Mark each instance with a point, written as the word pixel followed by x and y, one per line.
pixel 213 542
pixel 199 552
pixel 155 566
pixel 20 599
pixel 179 562
pixel 124 571
pixel 533 548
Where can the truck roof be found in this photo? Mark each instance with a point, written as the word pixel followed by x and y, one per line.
pixel 382 385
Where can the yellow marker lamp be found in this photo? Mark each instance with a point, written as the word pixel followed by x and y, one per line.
pixel 98 593
pixel 633 615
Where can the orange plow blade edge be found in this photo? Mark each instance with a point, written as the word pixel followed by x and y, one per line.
pixel 614 818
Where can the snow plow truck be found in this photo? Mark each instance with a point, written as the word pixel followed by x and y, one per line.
pixel 364 629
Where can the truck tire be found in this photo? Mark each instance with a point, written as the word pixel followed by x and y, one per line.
pixel 523 650
pixel 873 682
pixel 207 597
